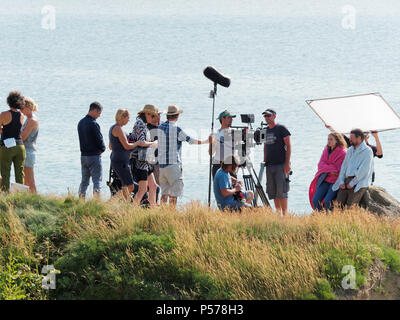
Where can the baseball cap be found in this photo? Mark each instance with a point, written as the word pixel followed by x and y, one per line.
pixel 269 111
pixel 226 113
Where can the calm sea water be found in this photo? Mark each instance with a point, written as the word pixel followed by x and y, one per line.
pixel 130 60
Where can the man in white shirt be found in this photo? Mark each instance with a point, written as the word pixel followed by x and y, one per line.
pixel 222 141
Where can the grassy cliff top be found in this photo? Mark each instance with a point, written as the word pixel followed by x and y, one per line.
pixel 112 250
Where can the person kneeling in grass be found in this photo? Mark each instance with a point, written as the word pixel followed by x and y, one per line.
pixel 223 190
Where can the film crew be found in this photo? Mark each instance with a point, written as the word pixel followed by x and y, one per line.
pixel 356 171
pixel 29 134
pixel 121 150
pixel 328 172
pixel 12 149
pixel 225 193
pixel 277 152
pixel 92 146
pixel 170 138
pixel 143 169
pixel 378 153
pixel 376 150
pixel 222 141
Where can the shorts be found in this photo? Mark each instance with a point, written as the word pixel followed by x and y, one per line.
pixel 123 171
pixel 171 180
pixel 140 174
pixel 30 159
pixel 277 182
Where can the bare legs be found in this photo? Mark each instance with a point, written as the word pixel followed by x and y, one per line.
pixel 126 191
pixel 281 206
pixel 29 179
pixel 152 185
pixel 172 200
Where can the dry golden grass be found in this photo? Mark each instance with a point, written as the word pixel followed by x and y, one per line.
pixel 251 255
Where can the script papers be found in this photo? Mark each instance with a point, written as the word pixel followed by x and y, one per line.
pixel 368 112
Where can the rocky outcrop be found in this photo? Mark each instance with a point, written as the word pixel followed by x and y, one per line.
pixel 379 201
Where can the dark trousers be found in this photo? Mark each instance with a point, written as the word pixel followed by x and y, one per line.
pixel 347 197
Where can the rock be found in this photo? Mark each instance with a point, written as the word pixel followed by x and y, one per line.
pixel 381 202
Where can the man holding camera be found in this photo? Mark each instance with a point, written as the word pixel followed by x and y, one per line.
pixel 227 196
pixel 222 141
pixel 277 152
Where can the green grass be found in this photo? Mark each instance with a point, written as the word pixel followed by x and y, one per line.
pixel 112 250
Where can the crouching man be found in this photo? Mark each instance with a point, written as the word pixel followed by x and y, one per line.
pixel 227 196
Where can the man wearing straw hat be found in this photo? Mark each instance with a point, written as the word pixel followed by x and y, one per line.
pixel 170 138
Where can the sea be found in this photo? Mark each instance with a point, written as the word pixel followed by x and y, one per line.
pixel 126 54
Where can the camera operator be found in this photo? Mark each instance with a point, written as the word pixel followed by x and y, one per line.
pixel 277 151
pixel 224 192
pixel 222 144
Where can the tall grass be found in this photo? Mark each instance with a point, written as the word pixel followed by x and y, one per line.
pixel 112 250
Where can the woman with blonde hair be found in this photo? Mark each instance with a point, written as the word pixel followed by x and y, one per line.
pixel 320 192
pixel 121 150
pixel 29 133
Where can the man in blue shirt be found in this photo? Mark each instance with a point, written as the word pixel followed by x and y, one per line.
pixel 356 171
pixel 223 190
pixel 170 138
pixel 92 146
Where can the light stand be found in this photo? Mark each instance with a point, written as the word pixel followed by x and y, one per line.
pixel 213 94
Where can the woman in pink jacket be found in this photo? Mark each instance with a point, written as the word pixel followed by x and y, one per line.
pixel 328 171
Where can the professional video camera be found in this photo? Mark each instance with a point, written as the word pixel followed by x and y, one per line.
pixel 244 136
pixel 260 134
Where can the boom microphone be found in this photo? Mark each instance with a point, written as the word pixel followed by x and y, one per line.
pixel 215 76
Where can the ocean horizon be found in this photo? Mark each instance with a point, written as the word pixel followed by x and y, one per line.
pixel 155 54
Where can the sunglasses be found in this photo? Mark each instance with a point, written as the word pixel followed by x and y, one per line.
pixel 152 115
pixel 267 115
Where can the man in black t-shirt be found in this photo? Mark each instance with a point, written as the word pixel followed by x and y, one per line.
pixel 277 151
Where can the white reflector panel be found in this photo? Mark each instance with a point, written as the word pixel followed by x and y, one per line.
pixel 368 112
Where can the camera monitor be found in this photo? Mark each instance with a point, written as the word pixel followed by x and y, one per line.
pixel 368 112
pixel 247 118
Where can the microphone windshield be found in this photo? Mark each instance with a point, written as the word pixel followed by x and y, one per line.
pixel 217 77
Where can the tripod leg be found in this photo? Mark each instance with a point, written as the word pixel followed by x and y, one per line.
pixel 260 191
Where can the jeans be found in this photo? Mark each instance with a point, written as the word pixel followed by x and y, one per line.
pixel 91 167
pixel 324 192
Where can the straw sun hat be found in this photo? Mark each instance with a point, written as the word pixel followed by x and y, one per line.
pixel 173 110
pixel 148 108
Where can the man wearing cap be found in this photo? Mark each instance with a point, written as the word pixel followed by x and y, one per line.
pixel 225 192
pixel 170 138
pixel 222 141
pixel 277 151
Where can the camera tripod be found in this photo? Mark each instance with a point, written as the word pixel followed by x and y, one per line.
pixel 254 184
